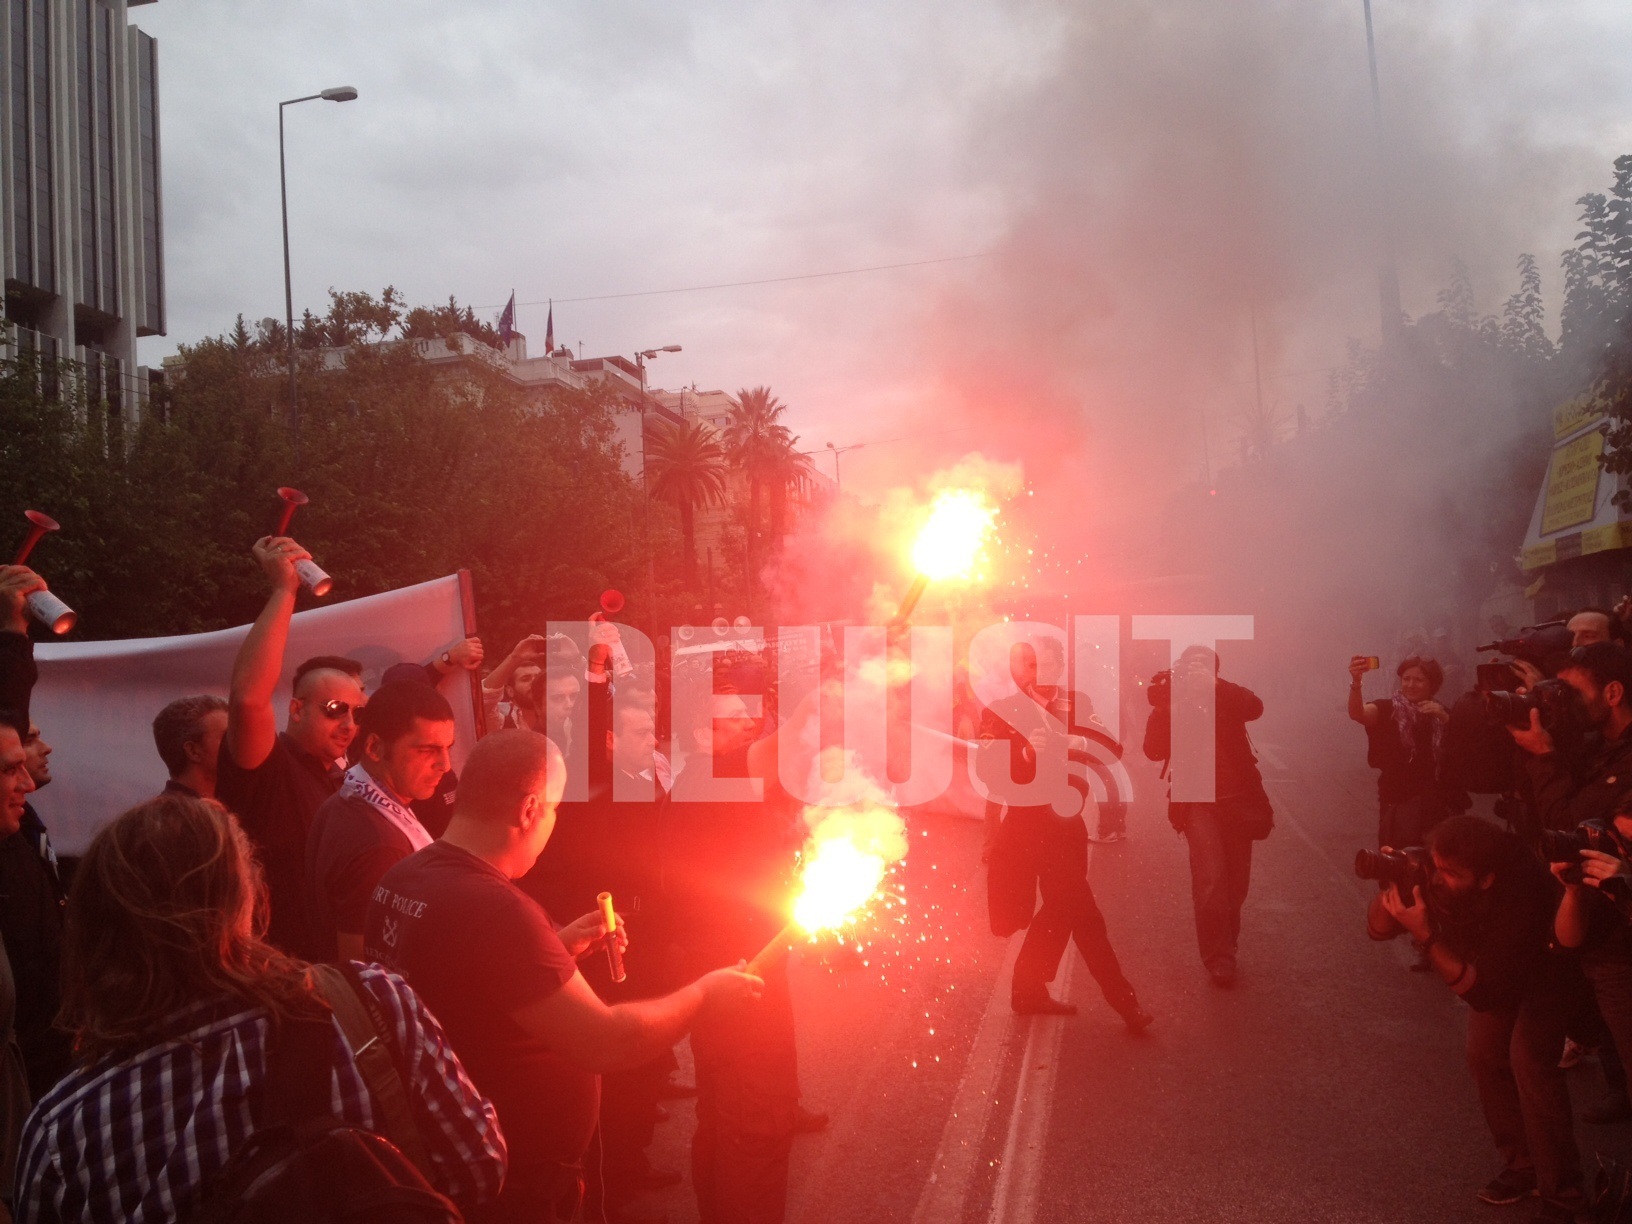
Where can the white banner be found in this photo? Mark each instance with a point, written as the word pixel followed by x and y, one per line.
pixel 95 701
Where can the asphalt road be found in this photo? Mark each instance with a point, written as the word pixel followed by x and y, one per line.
pixel 1328 1085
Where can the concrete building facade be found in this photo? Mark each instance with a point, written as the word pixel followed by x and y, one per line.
pixel 81 202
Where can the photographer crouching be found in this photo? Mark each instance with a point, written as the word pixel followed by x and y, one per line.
pixel 1481 907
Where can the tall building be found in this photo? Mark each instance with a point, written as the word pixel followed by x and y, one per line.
pixel 81 218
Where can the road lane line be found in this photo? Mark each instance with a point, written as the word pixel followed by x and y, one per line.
pixel 953 1167
pixel 1020 1173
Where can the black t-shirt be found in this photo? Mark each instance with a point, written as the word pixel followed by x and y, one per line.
pixel 351 846
pixel 1506 933
pixel 478 950
pixel 275 803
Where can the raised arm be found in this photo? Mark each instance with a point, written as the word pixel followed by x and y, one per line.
pixel 17 670
pixel 1361 710
pixel 252 726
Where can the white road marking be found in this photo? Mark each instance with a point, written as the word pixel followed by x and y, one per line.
pixel 959 1152
pixel 1020 1175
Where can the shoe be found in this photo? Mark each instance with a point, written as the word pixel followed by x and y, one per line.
pixel 657 1179
pixel 1108 839
pixel 669 1090
pixel 1572 1055
pixel 1137 1019
pixel 1613 1108
pixel 1223 973
pixel 1508 1186
pixel 1043 1004
pixel 808 1121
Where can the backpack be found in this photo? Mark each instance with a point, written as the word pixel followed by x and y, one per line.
pixel 303 1163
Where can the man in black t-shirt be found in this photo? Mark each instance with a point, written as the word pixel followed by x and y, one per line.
pixel 275 783
pixel 1485 926
pixel 368 826
pixel 502 978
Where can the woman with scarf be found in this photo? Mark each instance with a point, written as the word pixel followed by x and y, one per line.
pixel 1404 738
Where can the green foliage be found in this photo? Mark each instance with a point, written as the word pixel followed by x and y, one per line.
pixel 414 471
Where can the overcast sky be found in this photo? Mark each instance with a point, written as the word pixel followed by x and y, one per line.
pixel 573 150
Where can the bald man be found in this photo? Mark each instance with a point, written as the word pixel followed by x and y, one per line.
pixel 504 981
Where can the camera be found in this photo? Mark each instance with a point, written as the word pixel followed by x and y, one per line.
pixel 1553 698
pixel 1558 846
pixel 1404 869
pixel 1545 645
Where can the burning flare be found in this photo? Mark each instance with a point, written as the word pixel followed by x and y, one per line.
pixel 839 878
pixel 950 543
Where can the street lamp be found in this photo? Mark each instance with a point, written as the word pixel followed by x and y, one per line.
pixel 642 356
pixel 837 451
pixel 338 93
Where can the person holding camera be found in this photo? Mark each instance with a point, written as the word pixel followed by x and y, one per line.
pixel 1220 833
pixel 1569 788
pixel 1484 916
pixel 1404 742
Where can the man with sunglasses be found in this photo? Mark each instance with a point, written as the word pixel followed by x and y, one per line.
pixel 276 782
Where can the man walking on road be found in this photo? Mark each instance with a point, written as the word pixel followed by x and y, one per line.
pixel 1220 833
pixel 1030 847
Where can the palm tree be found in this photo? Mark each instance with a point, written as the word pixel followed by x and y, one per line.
pixel 788 474
pixel 686 466
pixel 754 438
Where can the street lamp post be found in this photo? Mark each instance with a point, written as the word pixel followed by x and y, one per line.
pixel 338 93
pixel 838 488
pixel 642 356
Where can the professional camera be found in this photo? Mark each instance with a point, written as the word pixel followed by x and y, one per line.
pixel 1404 869
pixel 1545 645
pixel 1558 846
pixel 1553 698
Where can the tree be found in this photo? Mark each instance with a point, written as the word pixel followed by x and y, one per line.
pixel 687 468
pixel 788 474
pixel 754 438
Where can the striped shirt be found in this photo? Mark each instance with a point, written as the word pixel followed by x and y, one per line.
pixel 137 1139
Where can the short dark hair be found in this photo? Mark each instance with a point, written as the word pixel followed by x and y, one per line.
pixel 1428 667
pixel 1617 627
pixel 1603 661
pixel 337 663
pixel 181 723
pixel 17 720
pixel 624 705
pixel 393 708
pixel 1473 842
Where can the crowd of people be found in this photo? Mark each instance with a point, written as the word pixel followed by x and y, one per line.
pixel 322 925
pixel 1526 912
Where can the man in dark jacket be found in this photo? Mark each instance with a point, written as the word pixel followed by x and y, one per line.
pixel 31 889
pixel 1034 847
pixel 1485 922
pixel 1221 832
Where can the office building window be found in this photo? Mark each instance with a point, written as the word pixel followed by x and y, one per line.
pixel 39 54
pixel 84 50
pixel 147 94
pixel 107 234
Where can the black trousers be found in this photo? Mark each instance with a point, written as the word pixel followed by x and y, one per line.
pixel 747 1090
pixel 1513 1055
pixel 1220 873
pixel 1038 851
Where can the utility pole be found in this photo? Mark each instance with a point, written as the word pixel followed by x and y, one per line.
pixel 1388 280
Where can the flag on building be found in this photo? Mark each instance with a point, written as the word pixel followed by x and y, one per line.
pixel 549 331
pixel 507 320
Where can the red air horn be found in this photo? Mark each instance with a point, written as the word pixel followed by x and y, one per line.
pixel 612 602
pixel 312 576
pixel 42 605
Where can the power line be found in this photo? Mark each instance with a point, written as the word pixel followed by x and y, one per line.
pixel 768 280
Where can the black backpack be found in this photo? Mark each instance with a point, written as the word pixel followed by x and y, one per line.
pixel 304 1164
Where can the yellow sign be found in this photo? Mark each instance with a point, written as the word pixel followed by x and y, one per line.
pixel 1575 415
pixel 1572 484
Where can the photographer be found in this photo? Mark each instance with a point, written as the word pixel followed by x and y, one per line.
pixel 1485 924
pixel 1588 785
pixel 1220 833
pixel 1404 744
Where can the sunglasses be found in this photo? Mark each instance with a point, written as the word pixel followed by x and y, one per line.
pixel 336 708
